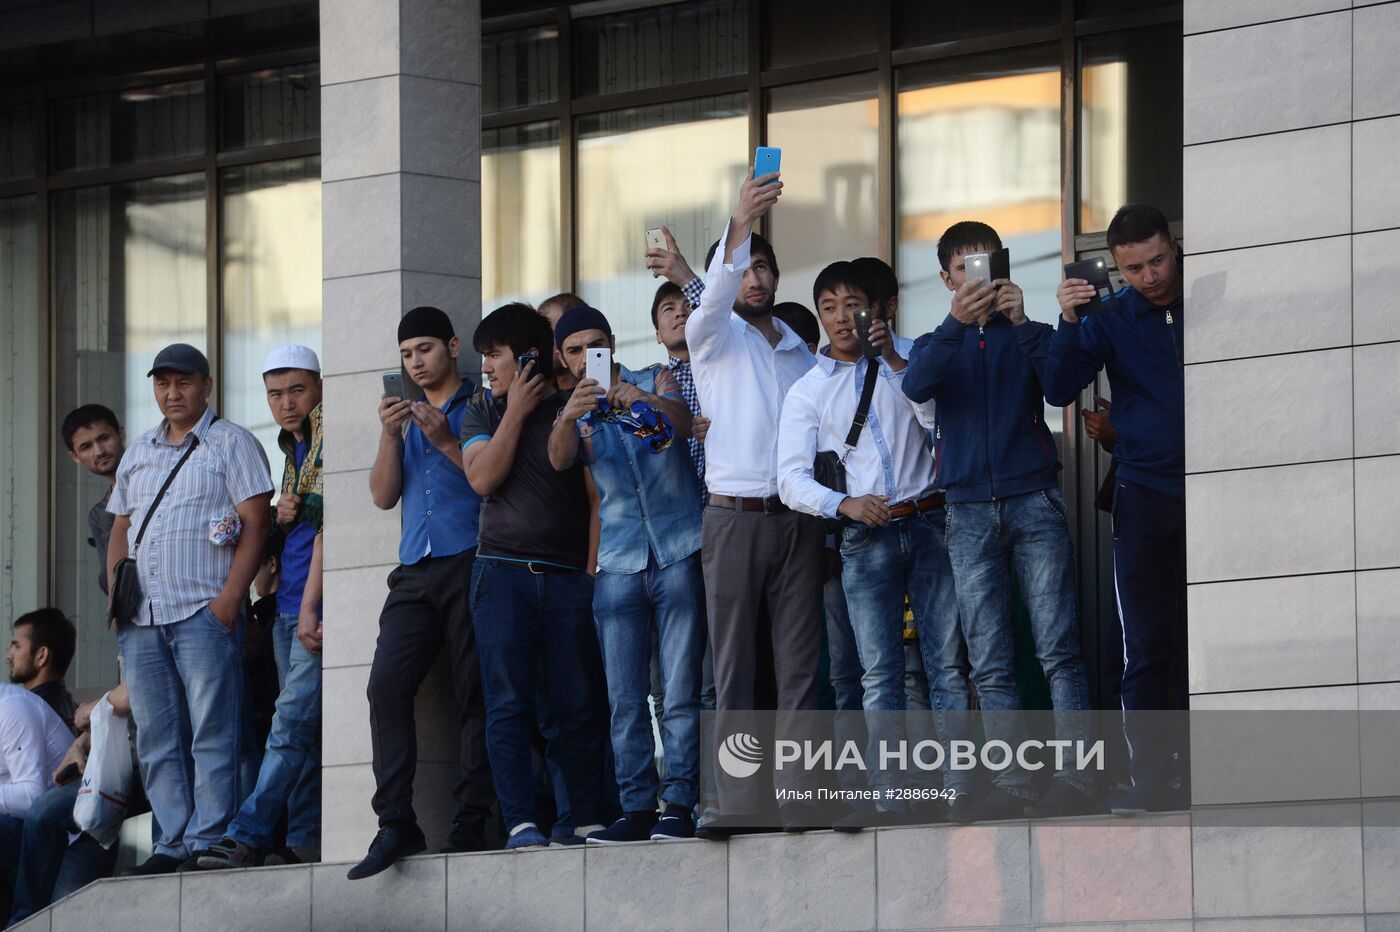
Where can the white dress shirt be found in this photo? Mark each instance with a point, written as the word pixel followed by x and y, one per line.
pixel 741 379
pixel 892 456
pixel 33 740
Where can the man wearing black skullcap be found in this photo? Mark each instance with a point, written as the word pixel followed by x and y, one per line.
pixel 420 465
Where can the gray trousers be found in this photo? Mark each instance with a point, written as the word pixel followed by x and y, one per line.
pixel 751 558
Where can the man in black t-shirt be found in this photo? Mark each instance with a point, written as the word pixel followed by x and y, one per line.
pixel 532 595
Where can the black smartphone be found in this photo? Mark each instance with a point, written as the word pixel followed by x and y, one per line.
pixel 1095 272
pixel 999 264
pixel 526 358
pixel 67 774
pixel 864 318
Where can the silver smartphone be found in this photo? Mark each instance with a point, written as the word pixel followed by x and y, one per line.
pixel 393 385
pixel 656 239
pixel 599 367
pixel 978 265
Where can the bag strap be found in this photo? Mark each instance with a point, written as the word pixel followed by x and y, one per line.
pixel 194 442
pixel 867 392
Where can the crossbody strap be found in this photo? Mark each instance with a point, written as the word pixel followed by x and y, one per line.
pixel 194 442
pixel 867 392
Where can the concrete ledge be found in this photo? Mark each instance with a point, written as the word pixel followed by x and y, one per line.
pixel 1157 874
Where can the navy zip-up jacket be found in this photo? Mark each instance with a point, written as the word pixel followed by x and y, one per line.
pixel 1140 344
pixel 991 437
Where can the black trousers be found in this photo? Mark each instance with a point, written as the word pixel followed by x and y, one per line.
pixel 429 607
pixel 1149 569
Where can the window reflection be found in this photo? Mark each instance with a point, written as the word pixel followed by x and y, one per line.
pixel 674 164
pixel 661 45
pixel 128 278
pixel 20 585
pixel 979 140
pixel 829 134
pixel 276 105
pixel 519 68
pixel 270 260
pixel 519 214
pixel 138 124
pixel 16 143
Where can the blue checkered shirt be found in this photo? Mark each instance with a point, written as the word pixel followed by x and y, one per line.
pixel 680 368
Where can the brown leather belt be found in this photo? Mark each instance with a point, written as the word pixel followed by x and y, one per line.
pixel 918 506
pixel 772 505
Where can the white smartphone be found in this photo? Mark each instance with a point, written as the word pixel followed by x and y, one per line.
pixel 599 367
pixel 978 265
pixel 656 239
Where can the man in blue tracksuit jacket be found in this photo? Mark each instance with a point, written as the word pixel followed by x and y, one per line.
pixel 1138 339
pixel 997 461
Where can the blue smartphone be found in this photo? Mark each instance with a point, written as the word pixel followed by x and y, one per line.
pixel 767 160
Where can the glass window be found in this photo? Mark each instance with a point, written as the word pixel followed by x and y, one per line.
pixel 270 260
pixel 1130 123
pixel 128 278
pixel 1088 8
pixel 20 580
pixel 519 68
pixel 918 22
pixel 139 124
pixel 676 164
pixel 799 32
pixel 16 143
pixel 264 108
pixel 520 214
pixel 661 45
pixel 829 134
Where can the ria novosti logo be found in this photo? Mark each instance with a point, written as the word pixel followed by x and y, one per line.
pixel 740 755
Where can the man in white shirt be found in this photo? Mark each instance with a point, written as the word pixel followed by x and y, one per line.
pixel 891 539
pixel 33 740
pixel 755 550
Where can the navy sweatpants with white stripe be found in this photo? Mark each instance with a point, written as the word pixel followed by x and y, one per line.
pixel 1149 568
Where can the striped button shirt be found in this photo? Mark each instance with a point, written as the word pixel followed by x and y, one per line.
pixel 181 571
pixel 680 368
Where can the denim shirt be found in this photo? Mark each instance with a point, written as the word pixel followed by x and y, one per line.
pixel 441 511
pixel 649 503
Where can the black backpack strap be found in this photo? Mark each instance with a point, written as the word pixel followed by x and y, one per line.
pixel 194 442
pixel 867 392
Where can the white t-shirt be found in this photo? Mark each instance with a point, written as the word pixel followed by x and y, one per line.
pixel 33 740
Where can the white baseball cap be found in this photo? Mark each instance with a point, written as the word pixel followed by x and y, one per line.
pixel 292 356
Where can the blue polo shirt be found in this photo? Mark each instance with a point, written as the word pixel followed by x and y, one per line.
pixel 441 512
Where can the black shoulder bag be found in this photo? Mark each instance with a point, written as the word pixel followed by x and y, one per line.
pixel 126 584
pixel 829 467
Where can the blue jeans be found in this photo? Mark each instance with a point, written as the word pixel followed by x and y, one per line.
pixel 986 541
pixel 186 684
pixel 667 606
pixel 49 868
pixel 841 647
pixel 530 627
pixel 289 777
pixel 879 565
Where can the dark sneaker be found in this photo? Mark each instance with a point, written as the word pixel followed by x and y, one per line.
pixel 800 817
pixel 229 853
pixel 989 807
pixel 724 827
pixel 1063 800
pixel 154 865
pixel 676 824
pixel 1142 798
pixel 870 817
pixel 279 857
pixel 633 826
pixel 462 843
pixel 191 863
pixel 392 842
pixel 564 836
pixel 528 837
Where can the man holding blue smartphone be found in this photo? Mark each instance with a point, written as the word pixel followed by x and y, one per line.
pixel 420 465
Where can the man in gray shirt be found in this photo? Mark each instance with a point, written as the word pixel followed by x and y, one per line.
pixel 96 441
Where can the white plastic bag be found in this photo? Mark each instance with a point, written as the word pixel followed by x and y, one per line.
pixel 103 796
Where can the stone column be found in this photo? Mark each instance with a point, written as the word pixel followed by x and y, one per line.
pixel 401 196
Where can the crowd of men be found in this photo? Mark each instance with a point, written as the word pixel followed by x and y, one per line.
pixel 596 546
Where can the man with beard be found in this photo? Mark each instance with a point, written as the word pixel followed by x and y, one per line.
pixel 96 441
pixel 755 550
pixel 39 655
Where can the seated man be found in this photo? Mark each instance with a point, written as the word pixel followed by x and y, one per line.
pixel 33 740
pixel 40 651
pixel 50 866
pixel 647 589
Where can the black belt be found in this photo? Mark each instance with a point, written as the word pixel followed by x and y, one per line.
pixel 772 505
pixel 539 569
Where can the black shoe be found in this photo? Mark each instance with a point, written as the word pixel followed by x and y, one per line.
pixel 191 863
pixel 872 817
pixel 154 865
pixel 724 827
pixel 989 807
pixel 633 826
pixel 800 817
pixel 1063 800
pixel 462 843
pixel 392 843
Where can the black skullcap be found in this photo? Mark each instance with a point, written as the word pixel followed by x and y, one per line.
pixel 579 318
pixel 426 321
